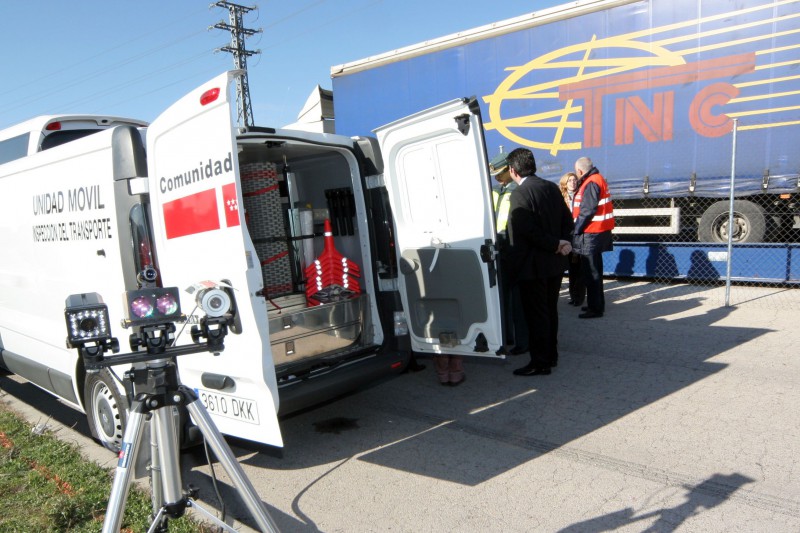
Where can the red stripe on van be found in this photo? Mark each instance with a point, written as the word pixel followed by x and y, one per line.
pixel 191 214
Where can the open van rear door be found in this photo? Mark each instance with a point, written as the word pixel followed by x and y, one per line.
pixel 200 235
pixel 438 182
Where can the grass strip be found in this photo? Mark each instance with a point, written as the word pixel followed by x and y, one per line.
pixel 47 485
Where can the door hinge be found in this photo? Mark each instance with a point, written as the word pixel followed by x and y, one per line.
pixel 462 121
pixel 488 252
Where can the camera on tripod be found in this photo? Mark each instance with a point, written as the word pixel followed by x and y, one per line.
pixel 152 313
pixel 155 392
pixel 88 327
pixel 217 302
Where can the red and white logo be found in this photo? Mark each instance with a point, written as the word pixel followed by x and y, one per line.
pixel 231 205
pixel 198 213
pixel 191 214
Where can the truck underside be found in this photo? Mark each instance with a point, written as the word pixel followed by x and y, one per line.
pixel 756 219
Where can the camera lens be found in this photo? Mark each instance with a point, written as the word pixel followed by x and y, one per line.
pixel 214 302
pixel 167 305
pixel 149 274
pixel 88 324
pixel 142 307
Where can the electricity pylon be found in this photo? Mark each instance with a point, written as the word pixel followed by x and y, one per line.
pixel 240 54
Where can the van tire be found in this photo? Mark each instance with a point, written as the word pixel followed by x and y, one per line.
pixel 106 409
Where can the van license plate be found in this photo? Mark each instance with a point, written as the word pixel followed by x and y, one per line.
pixel 229 406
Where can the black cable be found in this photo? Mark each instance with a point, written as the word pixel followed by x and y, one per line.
pixel 214 480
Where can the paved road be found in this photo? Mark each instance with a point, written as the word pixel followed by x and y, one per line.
pixel 671 413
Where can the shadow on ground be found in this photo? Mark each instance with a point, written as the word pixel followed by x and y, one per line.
pixel 646 348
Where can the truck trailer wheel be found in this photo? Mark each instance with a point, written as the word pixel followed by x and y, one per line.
pixel 106 409
pixel 749 222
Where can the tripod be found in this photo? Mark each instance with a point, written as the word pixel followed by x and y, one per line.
pixel 162 392
pixel 155 391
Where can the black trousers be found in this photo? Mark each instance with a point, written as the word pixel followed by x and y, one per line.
pixel 540 306
pixel 516 327
pixel 592 268
pixel 577 290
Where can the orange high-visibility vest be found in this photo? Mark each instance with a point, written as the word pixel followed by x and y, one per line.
pixel 603 219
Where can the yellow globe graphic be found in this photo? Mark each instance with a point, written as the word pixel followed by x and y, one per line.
pixel 549 126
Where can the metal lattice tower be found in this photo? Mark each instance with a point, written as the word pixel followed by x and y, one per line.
pixel 240 54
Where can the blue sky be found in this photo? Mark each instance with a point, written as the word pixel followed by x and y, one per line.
pixel 135 58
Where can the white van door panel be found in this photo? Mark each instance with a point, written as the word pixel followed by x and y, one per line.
pixel 200 235
pixel 439 188
pixel 61 231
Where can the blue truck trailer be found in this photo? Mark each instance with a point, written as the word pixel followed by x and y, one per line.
pixel 654 91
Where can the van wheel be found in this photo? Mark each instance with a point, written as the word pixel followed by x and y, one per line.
pixel 106 409
pixel 749 222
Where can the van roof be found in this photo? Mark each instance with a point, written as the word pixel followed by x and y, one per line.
pixel 41 123
pixel 48 131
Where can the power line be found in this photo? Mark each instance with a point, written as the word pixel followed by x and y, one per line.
pixel 106 50
pixel 329 22
pixel 130 83
pixel 100 72
pixel 204 72
pixel 294 14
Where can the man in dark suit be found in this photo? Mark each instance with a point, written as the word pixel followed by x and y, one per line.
pixel 540 231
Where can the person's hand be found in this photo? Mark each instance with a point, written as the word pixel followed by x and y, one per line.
pixel 564 248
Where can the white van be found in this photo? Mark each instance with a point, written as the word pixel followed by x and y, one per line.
pixel 201 202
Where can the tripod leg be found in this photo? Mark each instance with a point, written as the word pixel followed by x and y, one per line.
pixel 168 460
pixel 125 466
pixel 223 452
pixel 156 489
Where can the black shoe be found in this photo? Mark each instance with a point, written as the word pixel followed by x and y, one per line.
pixel 517 350
pixel 577 303
pixel 529 370
pixel 590 314
pixel 457 383
pixel 413 366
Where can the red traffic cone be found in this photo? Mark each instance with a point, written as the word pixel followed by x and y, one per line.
pixel 331 277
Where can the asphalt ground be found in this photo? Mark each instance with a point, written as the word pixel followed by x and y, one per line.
pixel 670 413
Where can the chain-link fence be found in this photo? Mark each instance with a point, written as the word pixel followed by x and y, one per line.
pixel 690 230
